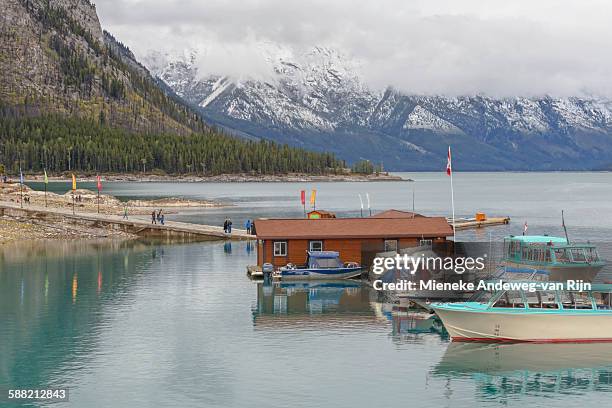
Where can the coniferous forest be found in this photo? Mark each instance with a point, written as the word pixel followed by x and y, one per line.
pixel 59 144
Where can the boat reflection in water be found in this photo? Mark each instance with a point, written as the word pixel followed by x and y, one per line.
pixel 410 325
pixel 505 371
pixel 302 304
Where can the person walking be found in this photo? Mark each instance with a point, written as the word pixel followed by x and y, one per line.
pixel 247 226
pixel 153 219
pixel 161 219
pixel 225 226
pixel 159 214
pixel 229 225
pixel 125 212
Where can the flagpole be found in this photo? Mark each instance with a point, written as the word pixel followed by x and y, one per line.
pixel 21 193
pixel 449 171
pixel 45 194
pixel 98 201
pixel 361 203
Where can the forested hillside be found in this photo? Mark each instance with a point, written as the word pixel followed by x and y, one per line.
pixel 74 97
pixel 58 144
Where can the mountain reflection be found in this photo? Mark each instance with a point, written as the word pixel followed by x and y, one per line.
pixel 508 371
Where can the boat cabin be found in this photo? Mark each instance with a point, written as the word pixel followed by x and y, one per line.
pixel 542 249
pixel 599 297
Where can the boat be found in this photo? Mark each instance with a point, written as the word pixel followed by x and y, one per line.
pixel 541 316
pixel 320 265
pixel 543 257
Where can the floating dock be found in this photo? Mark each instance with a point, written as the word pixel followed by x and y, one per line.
pixel 471 223
pixel 138 225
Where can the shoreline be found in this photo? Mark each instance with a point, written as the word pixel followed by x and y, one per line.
pixel 221 178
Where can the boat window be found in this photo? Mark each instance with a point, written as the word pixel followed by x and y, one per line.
pixel 576 300
pixel 542 300
pixel 315 246
pixel 561 255
pixel 591 255
pixel 482 296
pixel 603 300
pixel 511 298
pixel 578 255
pixel 280 248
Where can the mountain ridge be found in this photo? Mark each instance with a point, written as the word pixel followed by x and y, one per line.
pixel 319 100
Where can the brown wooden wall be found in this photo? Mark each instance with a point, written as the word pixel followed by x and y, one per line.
pixel 362 251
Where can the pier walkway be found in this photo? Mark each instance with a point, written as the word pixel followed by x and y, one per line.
pixel 135 224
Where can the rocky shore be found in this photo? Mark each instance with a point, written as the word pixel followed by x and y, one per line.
pixel 230 178
pixel 25 228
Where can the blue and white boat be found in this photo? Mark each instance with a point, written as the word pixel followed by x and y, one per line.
pixel 542 257
pixel 320 265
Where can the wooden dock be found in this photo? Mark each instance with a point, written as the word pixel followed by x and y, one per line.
pixel 135 224
pixel 470 223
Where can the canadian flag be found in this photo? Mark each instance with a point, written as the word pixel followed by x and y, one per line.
pixel 449 166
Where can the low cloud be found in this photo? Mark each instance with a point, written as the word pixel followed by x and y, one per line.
pixel 491 47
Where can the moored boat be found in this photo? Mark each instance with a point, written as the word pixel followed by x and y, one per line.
pixel 542 257
pixel 320 265
pixel 544 316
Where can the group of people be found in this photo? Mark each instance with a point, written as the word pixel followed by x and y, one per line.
pixel 227 226
pixel 249 225
pixel 157 217
pixel 78 198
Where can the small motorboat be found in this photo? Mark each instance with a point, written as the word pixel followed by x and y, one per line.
pixel 541 316
pixel 320 265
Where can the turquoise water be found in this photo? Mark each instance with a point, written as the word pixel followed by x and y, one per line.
pixel 140 324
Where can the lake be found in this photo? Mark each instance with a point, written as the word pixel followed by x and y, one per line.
pixel 143 324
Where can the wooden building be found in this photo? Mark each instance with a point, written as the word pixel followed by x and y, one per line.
pixel 316 214
pixel 283 241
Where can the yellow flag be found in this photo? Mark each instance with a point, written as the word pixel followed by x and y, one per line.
pixel 73 182
pixel 46 178
pixel 313 197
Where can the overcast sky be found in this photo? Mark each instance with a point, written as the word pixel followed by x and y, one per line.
pixel 499 48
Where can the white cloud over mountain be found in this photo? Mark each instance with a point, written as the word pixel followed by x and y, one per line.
pixel 491 47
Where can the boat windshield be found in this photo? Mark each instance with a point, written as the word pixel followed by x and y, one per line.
pixel 576 300
pixel 542 299
pixel 510 298
pixel 482 296
pixel 603 300
pixel 325 263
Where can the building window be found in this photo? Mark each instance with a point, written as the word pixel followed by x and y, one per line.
pixel 280 248
pixel 315 246
pixel 425 242
pixel 390 245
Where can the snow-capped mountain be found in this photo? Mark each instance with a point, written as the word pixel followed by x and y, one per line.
pixel 318 100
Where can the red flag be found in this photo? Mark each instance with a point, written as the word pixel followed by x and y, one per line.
pixel 99 183
pixel 449 167
pixel 303 197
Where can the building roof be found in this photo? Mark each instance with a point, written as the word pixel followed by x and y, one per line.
pixel 396 214
pixel 328 228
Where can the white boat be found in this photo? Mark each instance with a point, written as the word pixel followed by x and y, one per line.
pixel 543 316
